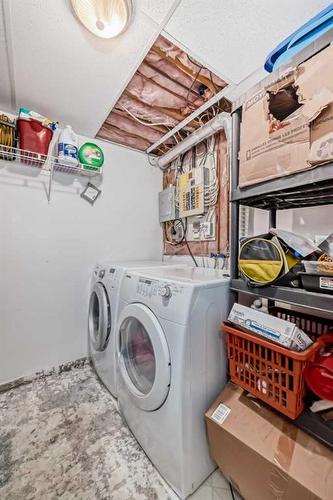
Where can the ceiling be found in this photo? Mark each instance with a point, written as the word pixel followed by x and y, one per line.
pixel 56 67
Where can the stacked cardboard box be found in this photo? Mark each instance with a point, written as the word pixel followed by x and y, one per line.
pixel 263 455
pixel 288 126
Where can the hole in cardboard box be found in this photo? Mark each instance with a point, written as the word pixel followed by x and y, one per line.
pixel 283 103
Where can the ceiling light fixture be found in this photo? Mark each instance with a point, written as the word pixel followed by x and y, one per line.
pixel 104 18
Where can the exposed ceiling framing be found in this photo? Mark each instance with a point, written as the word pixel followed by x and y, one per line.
pixel 168 87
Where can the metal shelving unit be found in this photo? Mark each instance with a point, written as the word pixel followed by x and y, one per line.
pixel 309 188
pixel 42 165
pixel 288 295
pixel 304 189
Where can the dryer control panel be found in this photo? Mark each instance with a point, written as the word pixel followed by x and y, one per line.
pixel 149 288
pixel 166 298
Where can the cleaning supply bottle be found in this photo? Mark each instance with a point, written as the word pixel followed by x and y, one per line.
pixel 68 147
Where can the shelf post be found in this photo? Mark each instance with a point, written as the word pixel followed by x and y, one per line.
pixel 272 218
pixel 234 205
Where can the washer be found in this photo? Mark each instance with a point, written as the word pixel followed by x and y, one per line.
pixel 102 316
pixel 172 365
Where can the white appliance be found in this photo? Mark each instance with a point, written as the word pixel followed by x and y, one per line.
pixel 172 365
pixel 102 317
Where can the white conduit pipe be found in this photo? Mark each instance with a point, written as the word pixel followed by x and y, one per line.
pixel 220 121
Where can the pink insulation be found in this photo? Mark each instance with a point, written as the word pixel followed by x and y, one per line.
pixel 113 134
pixel 124 123
pixel 148 92
pixel 167 87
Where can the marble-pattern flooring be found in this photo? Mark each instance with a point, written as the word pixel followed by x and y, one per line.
pixel 62 437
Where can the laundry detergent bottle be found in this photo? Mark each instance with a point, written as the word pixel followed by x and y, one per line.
pixel 68 147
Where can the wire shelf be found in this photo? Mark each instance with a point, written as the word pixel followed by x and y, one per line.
pixel 304 189
pixel 45 163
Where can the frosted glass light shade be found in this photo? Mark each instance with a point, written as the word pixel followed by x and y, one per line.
pixel 104 18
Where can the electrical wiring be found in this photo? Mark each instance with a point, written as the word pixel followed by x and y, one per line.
pixel 183 239
pixel 192 84
pixel 200 155
pixel 186 243
pixel 171 226
pixel 232 491
pixel 211 79
pixel 147 124
pixel 211 190
pixel 198 65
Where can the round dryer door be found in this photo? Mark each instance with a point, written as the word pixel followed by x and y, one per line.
pixel 144 359
pixel 99 321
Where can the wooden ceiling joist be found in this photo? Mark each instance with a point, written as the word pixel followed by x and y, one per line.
pixel 138 115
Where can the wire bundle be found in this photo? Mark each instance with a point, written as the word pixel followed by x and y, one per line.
pixel 176 230
pixel 211 191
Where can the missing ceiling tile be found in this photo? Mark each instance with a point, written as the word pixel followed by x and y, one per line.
pixel 168 86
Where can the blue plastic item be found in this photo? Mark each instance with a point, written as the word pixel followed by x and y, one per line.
pixel 305 35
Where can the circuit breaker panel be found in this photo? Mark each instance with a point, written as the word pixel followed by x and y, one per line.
pixel 191 192
pixel 190 202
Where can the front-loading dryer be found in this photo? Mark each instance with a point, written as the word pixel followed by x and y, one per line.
pixel 102 316
pixel 172 366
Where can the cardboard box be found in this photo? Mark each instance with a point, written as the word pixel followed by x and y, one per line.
pixel 278 330
pixel 288 126
pixel 263 455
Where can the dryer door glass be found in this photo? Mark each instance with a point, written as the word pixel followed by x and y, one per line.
pixel 99 322
pixel 138 354
pixel 144 359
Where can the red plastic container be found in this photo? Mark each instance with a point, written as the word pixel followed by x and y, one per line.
pixel 269 371
pixel 34 137
pixel 319 373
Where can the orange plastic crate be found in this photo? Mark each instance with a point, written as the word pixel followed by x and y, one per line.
pixel 313 326
pixel 269 371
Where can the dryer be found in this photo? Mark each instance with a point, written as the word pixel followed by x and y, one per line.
pixel 102 316
pixel 172 365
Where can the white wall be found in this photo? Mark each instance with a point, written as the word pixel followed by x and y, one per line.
pixel 47 253
pixel 310 222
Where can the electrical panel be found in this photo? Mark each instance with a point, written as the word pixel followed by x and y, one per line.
pixel 191 192
pixel 167 204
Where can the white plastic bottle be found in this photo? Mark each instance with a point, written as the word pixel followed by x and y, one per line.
pixel 68 147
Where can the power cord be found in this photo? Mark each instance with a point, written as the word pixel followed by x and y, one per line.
pixel 232 491
pixel 186 243
pixel 183 238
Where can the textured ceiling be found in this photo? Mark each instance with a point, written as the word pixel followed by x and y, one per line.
pixel 234 36
pixel 68 74
pixel 64 72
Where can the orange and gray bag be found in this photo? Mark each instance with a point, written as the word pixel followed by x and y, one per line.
pixel 264 260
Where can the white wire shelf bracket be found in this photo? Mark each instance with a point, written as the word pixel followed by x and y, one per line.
pixel 44 164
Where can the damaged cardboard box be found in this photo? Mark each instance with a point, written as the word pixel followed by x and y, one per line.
pixel 263 455
pixel 288 126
